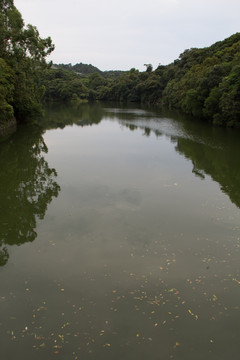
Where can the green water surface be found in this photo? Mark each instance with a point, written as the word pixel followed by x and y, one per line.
pixel 119 237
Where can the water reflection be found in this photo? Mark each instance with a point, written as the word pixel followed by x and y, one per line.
pixel 212 150
pixel 27 186
pixel 221 165
pixel 135 259
pixel 61 115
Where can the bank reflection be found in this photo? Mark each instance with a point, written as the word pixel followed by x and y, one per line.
pixel 212 150
pixel 58 116
pixel 27 187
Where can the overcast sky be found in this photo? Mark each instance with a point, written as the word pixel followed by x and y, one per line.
pixel 121 34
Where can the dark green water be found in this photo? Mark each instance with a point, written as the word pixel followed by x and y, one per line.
pixel 120 237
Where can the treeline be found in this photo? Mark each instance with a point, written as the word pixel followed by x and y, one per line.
pixel 204 83
pixel 87 69
pixel 22 57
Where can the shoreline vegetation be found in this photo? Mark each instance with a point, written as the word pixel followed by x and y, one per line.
pixel 202 83
pixel 22 59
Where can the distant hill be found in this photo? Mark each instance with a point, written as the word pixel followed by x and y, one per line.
pixel 87 69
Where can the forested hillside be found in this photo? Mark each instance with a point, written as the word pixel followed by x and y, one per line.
pixel 87 69
pixel 22 56
pixel 204 83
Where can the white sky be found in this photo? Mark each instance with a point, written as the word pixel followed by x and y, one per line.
pixel 121 34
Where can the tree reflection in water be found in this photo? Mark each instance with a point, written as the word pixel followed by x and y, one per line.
pixel 212 150
pixel 27 186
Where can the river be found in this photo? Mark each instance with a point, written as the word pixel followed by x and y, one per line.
pixel 119 237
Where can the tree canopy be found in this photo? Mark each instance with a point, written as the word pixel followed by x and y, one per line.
pixel 22 55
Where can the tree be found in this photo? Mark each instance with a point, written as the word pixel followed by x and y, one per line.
pixel 6 91
pixel 23 54
pixel 149 67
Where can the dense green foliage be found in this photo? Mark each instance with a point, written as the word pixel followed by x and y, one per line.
pixel 22 56
pixel 203 83
pixel 64 86
pixel 206 82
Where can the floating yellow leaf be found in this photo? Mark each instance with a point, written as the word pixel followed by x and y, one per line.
pixel 238 282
